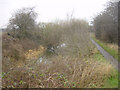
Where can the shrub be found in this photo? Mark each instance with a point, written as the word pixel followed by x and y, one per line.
pixel 75 34
pixel 60 72
pixel 51 35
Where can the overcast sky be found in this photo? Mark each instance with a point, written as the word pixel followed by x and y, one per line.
pixel 49 10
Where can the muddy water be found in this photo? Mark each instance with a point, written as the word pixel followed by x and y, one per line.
pixel 44 59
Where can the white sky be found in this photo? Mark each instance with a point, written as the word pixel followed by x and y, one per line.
pixel 49 10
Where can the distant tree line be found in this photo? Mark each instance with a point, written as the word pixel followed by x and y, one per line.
pixel 106 23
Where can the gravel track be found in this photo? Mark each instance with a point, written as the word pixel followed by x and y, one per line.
pixel 108 57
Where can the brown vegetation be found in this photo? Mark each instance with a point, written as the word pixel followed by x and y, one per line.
pixel 61 72
pixel 106 23
pixel 68 67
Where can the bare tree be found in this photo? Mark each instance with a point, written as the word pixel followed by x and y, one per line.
pixel 23 22
pixel 106 23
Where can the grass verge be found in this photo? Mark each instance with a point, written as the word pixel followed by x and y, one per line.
pixel 111 51
pixel 112 80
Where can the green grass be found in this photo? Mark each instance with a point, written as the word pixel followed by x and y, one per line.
pixel 112 80
pixel 111 51
pixel 99 56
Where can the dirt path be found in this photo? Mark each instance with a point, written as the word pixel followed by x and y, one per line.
pixel 110 58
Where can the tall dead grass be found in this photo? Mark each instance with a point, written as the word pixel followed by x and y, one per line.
pixel 72 67
pixel 59 72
